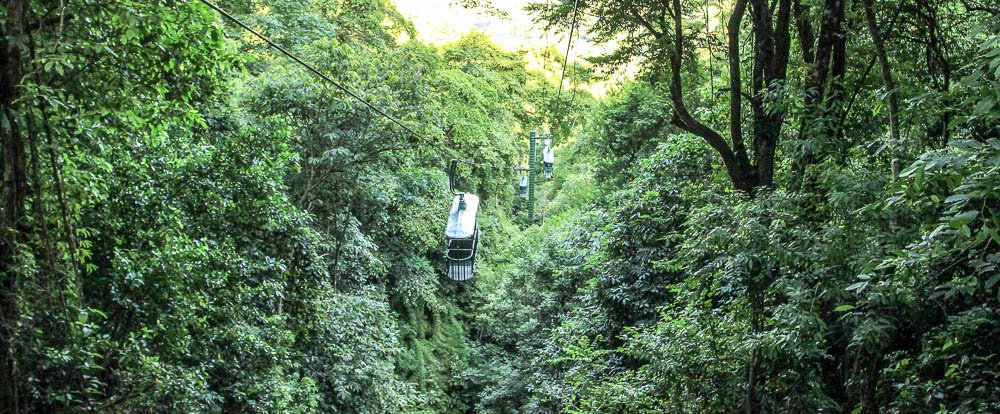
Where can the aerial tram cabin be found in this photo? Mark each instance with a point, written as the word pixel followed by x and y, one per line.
pixel 462 233
pixel 548 160
pixel 522 188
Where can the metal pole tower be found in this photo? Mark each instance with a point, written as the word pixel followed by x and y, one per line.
pixel 531 178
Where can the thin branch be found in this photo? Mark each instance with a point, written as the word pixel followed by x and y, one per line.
pixel 744 94
pixel 656 34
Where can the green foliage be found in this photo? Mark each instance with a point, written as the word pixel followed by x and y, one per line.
pixel 208 228
pixel 241 237
pixel 630 129
pixel 852 293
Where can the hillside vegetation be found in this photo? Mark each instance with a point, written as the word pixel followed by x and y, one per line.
pixel 793 207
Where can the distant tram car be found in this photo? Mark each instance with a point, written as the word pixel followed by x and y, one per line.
pixel 548 160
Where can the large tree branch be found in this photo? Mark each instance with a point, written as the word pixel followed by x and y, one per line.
pixel 735 82
pixel 763 45
pixel 782 41
pixel 683 119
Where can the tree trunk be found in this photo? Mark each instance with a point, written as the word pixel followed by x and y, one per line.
pixel 938 58
pixel 804 27
pixel 770 66
pixel 869 382
pixel 821 91
pixel 773 42
pixel 890 87
pixel 737 167
pixel 14 193
pixel 752 403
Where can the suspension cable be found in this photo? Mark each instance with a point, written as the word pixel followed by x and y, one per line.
pixel 445 151
pixel 569 45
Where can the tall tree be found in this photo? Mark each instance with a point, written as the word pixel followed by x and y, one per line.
pixel 14 190
pixel 657 30
pixel 890 86
pixel 824 87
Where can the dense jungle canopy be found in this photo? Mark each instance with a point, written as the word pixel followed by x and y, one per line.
pixel 787 206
